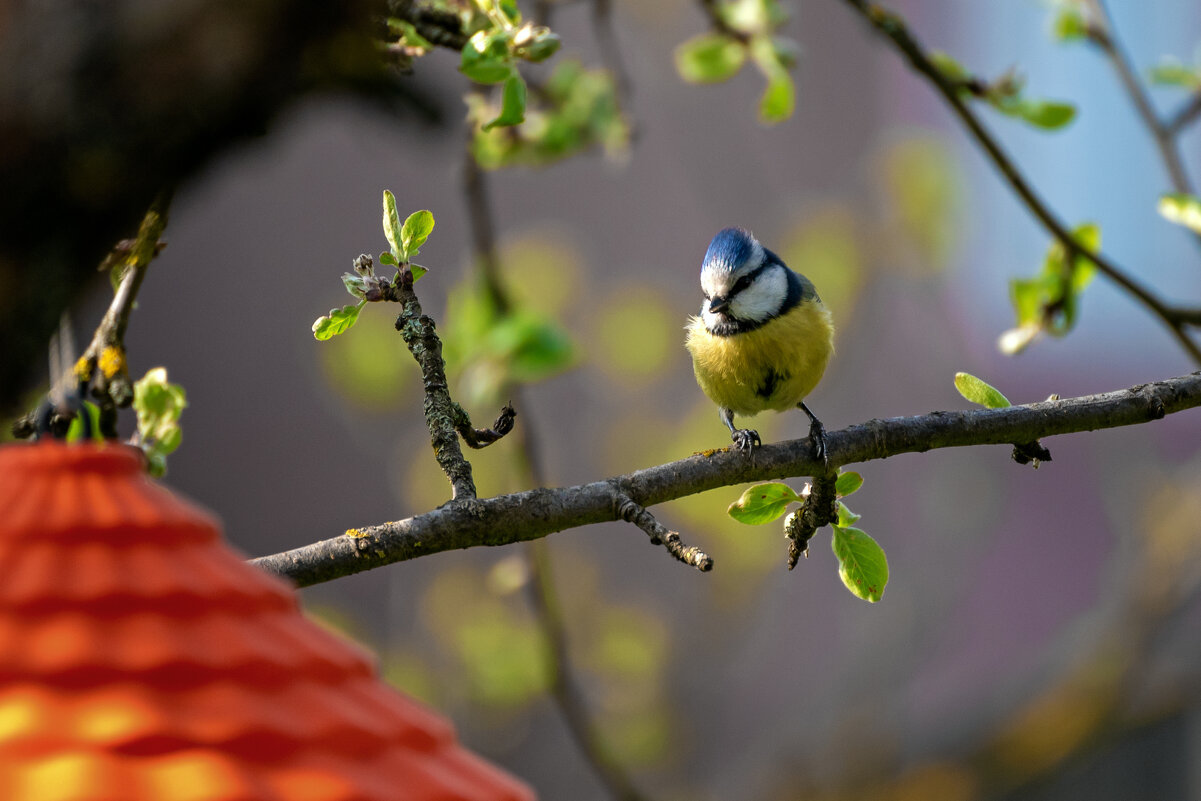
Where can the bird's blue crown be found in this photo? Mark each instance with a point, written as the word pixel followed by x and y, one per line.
pixel 729 250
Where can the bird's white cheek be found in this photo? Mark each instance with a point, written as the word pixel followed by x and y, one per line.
pixel 756 303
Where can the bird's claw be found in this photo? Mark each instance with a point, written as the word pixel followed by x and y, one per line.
pixel 817 441
pixel 746 439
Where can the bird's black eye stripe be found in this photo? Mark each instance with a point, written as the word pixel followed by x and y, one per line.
pixel 746 280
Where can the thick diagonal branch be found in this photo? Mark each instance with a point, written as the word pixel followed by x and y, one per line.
pixel 530 515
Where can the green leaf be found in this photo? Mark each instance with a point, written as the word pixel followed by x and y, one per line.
pixel 845 516
pixel 779 98
pixel 337 321
pixel 417 271
pixel 710 58
pixel 75 429
pixel 1069 24
pixel 158 404
pixel 392 226
pixel 951 69
pixel 847 483
pixel 763 503
pixel 1170 72
pixel 387 258
pixel 408 34
pixel 415 231
pixel 1182 209
pixel 1050 300
pixel 532 346
pixel 862 565
pixel 535 42
pixel 1046 114
pixel 512 106
pixel 980 392
pixel 356 285
pixel 486 57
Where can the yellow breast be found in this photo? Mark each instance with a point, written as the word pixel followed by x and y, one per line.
pixel 772 367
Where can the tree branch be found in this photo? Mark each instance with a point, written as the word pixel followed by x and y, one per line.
pixel 1187 114
pixel 439 26
pixel 1102 34
pixel 530 515
pixel 544 597
pixel 103 361
pixel 442 415
pixel 894 30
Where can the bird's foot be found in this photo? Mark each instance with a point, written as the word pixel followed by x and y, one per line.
pixel 817 441
pixel 745 439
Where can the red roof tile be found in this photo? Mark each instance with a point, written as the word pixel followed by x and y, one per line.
pixel 141 658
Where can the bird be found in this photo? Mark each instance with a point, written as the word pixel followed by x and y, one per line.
pixel 762 339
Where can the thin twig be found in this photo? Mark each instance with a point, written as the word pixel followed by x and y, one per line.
pixel 417 330
pixel 894 29
pixel 1104 36
pixel 104 358
pixel 631 512
pixel 565 689
pixel 533 514
pixel 1186 115
pixel 606 40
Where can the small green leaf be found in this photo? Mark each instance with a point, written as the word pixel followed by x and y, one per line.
pixel 387 258
pixel 75 429
pixel 1050 301
pixel 709 58
pixel 536 43
pixel 1069 24
pixel 392 226
pixel 845 516
pixel 763 503
pixel 417 271
pixel 486 57
pixel 532 346
pixel 779 98
pixel 158 404
pixel 415 231
pixel 1170 72
pixel 951 69
pixel 356 285
pixel 980 392
pixel 512 105
pixel 1046 114
pixel 1182 209
pixel 337 321
pixel 847 483
pixel 862 565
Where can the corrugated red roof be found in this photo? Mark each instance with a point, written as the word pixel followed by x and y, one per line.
pixel 141 658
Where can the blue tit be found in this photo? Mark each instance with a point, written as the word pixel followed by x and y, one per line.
pixel 763 337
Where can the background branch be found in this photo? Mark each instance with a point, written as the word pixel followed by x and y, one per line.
pixel 544 597
pixel 1103 35
pixel 894 30
pixel 530 515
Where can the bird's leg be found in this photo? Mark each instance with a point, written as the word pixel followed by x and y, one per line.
pixel 817 434
pixel 745 439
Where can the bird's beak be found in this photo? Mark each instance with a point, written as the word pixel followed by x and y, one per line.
pixel 718 304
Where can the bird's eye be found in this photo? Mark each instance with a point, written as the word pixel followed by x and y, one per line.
pixel 741 284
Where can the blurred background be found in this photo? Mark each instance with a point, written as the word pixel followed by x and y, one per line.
pixel 1039 635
